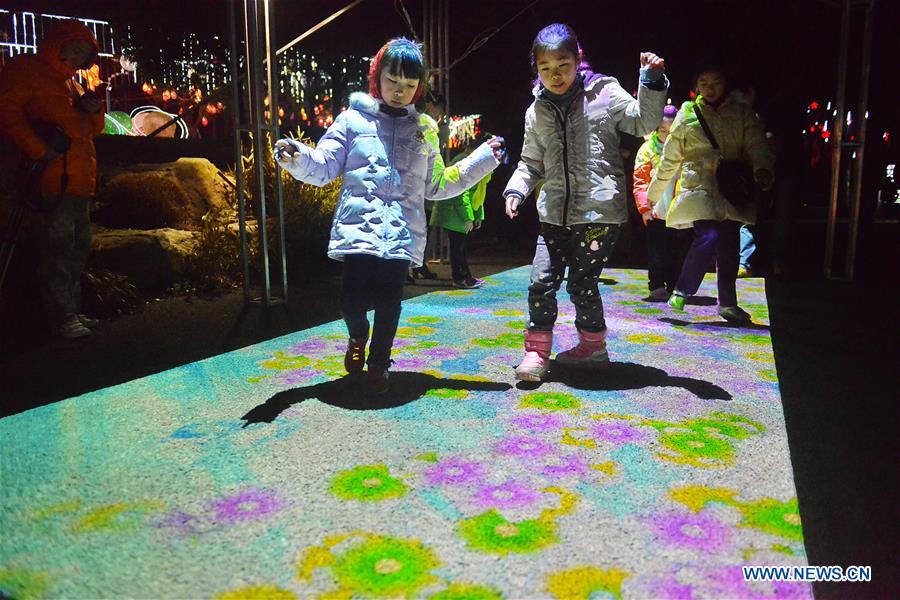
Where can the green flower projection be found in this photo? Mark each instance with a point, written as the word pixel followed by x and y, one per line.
pixel 285 362
pixel 425 320
pixel 694 446
pixel 778 518
pixel 24 584
pixel 550 401
pixel 386 567
pixel 504 340
pixel 491 533
pixel 368 483
pixel 447 393
pixel 704 442
pixel 461 591
pixel 766 514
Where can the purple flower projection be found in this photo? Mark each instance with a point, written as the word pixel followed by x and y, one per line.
pixel 568 465
pixel 312 346
pixel 454 471
pixel 441 352
pixel 538 422
pixel 181 522
pixel 692 531
pixel 298 376
pixel 671 589
pixel 410 363
pixel 523 447
pixel 617 433
pixel 471 310
pixel 511 494
pixel 246 505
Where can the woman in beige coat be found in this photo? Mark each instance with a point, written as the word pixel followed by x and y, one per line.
pixel 699 204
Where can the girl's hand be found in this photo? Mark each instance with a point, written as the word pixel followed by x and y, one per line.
pixel 496 143
pixel 512 206
pixel 647 216
pixel 285 151
pixel 763 179
pixel 652 61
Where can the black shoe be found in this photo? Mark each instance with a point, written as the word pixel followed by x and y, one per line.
pixel 377 381
pixel 467 284
pixel 410 279
pixel 424 272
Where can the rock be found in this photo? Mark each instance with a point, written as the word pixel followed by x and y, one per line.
pixel 152 259
pixel 155 196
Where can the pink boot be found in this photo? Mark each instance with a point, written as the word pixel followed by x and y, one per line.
pixel 537 355
pixel 590 353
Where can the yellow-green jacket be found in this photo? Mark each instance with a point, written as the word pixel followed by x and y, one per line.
pixel 740 135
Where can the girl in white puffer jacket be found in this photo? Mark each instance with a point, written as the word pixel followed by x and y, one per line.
pixel 390 161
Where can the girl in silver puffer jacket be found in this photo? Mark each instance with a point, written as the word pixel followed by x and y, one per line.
pixel 572 145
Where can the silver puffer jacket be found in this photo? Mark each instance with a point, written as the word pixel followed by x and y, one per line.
pixel 577 154
pixel 390 163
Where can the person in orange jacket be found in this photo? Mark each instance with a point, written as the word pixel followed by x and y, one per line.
pixel 53 122
pixel 666 247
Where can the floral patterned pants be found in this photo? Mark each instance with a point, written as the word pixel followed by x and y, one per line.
pixel 585 250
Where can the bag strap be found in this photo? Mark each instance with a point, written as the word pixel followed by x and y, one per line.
pixel 706 130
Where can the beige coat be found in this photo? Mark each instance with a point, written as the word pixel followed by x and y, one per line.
pixel 688 151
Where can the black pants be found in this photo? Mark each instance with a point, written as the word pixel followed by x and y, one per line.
pixel 370 281
pixel 585 249
pixel 666 249
pixel 459 255
pixel 64 241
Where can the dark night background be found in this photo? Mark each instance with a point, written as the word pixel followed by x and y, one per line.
pixel 786 49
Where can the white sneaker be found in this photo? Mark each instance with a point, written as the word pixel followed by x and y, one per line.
pixel 89 322
pixel 72 328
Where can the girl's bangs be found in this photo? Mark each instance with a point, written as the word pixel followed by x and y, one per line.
pixel 404 62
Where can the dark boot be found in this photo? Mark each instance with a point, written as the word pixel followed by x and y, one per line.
pixel 355 357
pixel 377 381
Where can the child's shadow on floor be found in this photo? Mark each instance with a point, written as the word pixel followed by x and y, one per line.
pixel 348 392
pixel 714 324
pixel 626 376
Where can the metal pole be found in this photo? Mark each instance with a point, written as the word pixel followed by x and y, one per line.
pixel 238 153
pixel 838 132
pixel 317 27
pixel 445 61
pixel 256 90
pixel 856 194
pixel 272 77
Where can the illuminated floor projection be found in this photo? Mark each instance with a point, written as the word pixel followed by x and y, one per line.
pixel 265 473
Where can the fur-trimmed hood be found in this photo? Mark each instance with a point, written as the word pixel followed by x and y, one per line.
pixel 365 103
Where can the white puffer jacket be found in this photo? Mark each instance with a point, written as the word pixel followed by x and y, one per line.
pixel 390 163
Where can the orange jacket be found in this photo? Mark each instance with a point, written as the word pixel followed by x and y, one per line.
pixel 39 87
pixel 645 164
